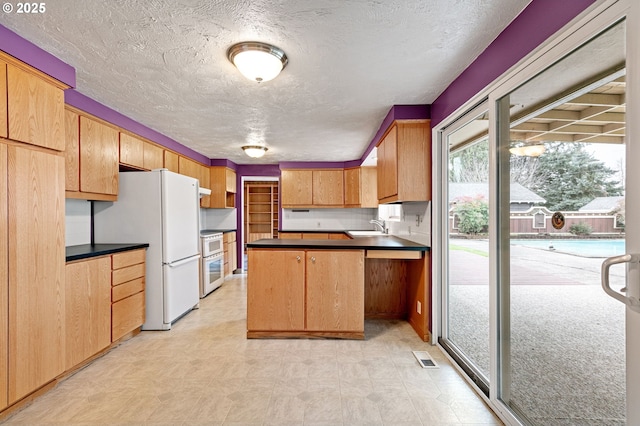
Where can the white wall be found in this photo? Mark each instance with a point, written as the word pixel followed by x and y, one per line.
pixel 414 223
pixel 78 222
pixel 327 219
pixel 218 219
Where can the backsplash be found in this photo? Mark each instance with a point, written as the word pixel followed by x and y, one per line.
pixel 414 223
pixel 218 219
pixel 78 222
pixel 329 219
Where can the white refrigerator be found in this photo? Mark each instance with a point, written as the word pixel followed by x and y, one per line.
pixel 160 208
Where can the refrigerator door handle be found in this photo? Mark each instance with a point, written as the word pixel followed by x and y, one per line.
pixel 183 261
pixel 632 302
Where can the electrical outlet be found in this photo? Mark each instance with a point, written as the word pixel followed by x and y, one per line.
pixel 419 307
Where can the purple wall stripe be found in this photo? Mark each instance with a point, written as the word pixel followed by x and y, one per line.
pixel 80 101
pixel 537 22
pixel 31 54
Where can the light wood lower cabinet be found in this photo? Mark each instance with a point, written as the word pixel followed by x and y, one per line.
pixel 87 309
pixel 127 293
pixel 305 293
pixel 230 253
pixel 335 291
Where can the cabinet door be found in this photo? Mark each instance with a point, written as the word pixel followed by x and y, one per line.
pixel 98 157
pixel 388 165
pixel 72 150
pixel 171 161
pixel 205 182
pixel 189 167
pixel 153 157
pixel 275 290
pixel 368 187
pixel 36 269
pixel 4 279
pixel 3 103
pixel 296 187
pixel 328 188
pixel 131 150
pixel 87 309
pixel 352 187
pixel 35 109
pixel 335 290
pixel 230 180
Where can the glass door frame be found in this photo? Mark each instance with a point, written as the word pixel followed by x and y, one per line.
pixel 599 17
pixel 441 235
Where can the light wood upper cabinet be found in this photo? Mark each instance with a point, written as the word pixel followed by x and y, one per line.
pixel 205 182
pixel 98 159
pixel 335 290
pixel 4 280
pixel 87 309
pixel 230 179
pixel 222 182
pixel 188 167
pixel 171 161
pixel 360 187
pixel 72 150
pixel 153 157
pixel 36 269
pixel 3 101
pixel 388 165
pixel 297 188
pixel 404 162
pixel 328 188
pixel 275 290
pixel 35 109
pixel 312 188
pixel 131 150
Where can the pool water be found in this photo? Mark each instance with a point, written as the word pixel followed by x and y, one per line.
pixel 585 248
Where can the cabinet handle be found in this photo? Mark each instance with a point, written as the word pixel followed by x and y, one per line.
pixel 313 260
pixel 298 259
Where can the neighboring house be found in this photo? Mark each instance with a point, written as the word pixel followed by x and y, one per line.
pixel 602 205
pixel 522 199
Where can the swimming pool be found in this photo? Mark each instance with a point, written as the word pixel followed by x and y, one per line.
pixel 585 248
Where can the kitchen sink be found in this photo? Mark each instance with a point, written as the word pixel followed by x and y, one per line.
pixel 367 234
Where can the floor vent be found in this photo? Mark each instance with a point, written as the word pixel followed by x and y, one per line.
pixel 424 359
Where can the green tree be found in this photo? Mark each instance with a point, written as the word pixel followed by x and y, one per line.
pixel 568 177
pixel 470 164
pixel 473 214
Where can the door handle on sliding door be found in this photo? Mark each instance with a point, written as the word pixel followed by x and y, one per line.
pixel 632 302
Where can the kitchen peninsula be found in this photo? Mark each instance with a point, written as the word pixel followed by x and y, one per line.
pixel 327 288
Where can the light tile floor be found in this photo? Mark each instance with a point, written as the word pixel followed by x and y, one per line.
pixel 204 371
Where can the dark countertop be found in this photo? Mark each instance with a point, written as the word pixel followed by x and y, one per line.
pixel 86 251
pixel 360 243
pixel 204 232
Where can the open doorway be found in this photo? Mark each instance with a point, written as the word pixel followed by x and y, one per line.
pixel 260 210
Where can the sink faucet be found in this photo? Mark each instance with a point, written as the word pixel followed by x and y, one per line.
pixel 381 224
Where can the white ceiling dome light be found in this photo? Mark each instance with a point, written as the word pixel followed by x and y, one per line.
pixel 257 61
pixel 254 151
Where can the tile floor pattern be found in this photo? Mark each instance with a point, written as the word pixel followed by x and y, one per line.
pixel 204 371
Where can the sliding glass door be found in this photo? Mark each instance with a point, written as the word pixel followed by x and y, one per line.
pixel 538 189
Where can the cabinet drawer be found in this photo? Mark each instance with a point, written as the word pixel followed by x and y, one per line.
pixel 127 315
pixel 127 289
pixel 127 258
pixel 129 273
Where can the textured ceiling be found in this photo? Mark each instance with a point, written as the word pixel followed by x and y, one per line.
pixel 163 64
